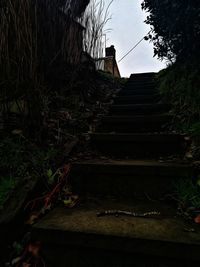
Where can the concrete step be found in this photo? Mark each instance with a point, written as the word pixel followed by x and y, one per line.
pixel 78 237
pixel 139 109
pixel 134 124
pixel 138 85
pixel 137 99
pixel 138 145
pixel 137 91
pixel 141 81
pixel 142 76
pixel 126 178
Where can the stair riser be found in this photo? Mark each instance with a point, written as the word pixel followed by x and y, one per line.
pixel 143 76
pixel 79 250
pixel 132 92
pixel 138 110
pixel 138 86
pixel 136 127
pixel 125 181
pixel 141 82
pixel 138 149
pixel 141 99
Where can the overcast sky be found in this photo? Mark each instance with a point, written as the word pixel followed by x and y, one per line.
pixel 128 28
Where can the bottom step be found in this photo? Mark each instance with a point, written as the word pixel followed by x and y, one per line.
pixel 67 234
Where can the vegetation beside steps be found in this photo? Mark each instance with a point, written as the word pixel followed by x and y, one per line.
pixel 32 165
pixel 136 207
pixel 134 171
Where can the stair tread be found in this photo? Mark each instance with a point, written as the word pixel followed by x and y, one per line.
pixel 140 234
pixel 126 137
pixel 133 162
pixel 156 117
pixel 139 105
pixel 137 99
pixel 137 86
pixel 132 92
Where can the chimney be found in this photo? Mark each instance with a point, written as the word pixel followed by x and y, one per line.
pixel 110 51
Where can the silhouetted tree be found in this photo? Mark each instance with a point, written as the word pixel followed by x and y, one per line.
pixel 176 28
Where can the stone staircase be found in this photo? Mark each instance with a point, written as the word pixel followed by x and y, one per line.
pixel 141 163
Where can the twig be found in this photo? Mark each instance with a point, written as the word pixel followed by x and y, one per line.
pixel 47 198
pixel 128 213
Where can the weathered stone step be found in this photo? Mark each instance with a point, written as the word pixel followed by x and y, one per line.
pixel 138 145
pixel 142 76
pixel 139 109
pixel 127 178
pixel 133 85
pixel 78 237
pixel 141 80
pixel 137 91
pixel 137 99
pixel 135 124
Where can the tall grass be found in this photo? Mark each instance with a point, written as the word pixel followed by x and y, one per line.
pixel 94 20
pixel 37 38
pixel 179 85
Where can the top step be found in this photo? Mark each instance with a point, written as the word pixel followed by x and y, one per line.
pixel 150 75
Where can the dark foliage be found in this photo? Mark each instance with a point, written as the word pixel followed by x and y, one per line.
pixel 176 28
pixel 179 85
pixel 39 41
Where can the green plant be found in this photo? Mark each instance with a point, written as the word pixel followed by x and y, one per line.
pixel 21 159
pixel 175 28
pixel 179 85
pixel 188 193
pixel 6 185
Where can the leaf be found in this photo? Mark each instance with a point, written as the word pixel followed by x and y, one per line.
pixel 34 249
pixel 25 264
pixel 198 182
pixel 15 261
pixel 67 202
pixel 49 173
pixel 197 219
pixel 33 217
pixel 17 247
pixel 71 201
pixel 51 176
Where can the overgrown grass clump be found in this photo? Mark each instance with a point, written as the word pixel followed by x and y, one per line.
pixel 179 85
pixel 22 160
pixel 188 193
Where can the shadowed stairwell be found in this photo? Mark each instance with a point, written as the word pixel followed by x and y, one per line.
pixel 129 190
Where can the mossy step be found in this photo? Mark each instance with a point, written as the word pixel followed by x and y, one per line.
pixel 127 178
pixel 80 229
pixel 138 145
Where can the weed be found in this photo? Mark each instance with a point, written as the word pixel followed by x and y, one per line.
pixel 20 159
pixel 179 85
pixel 187 193
pixel 6 185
